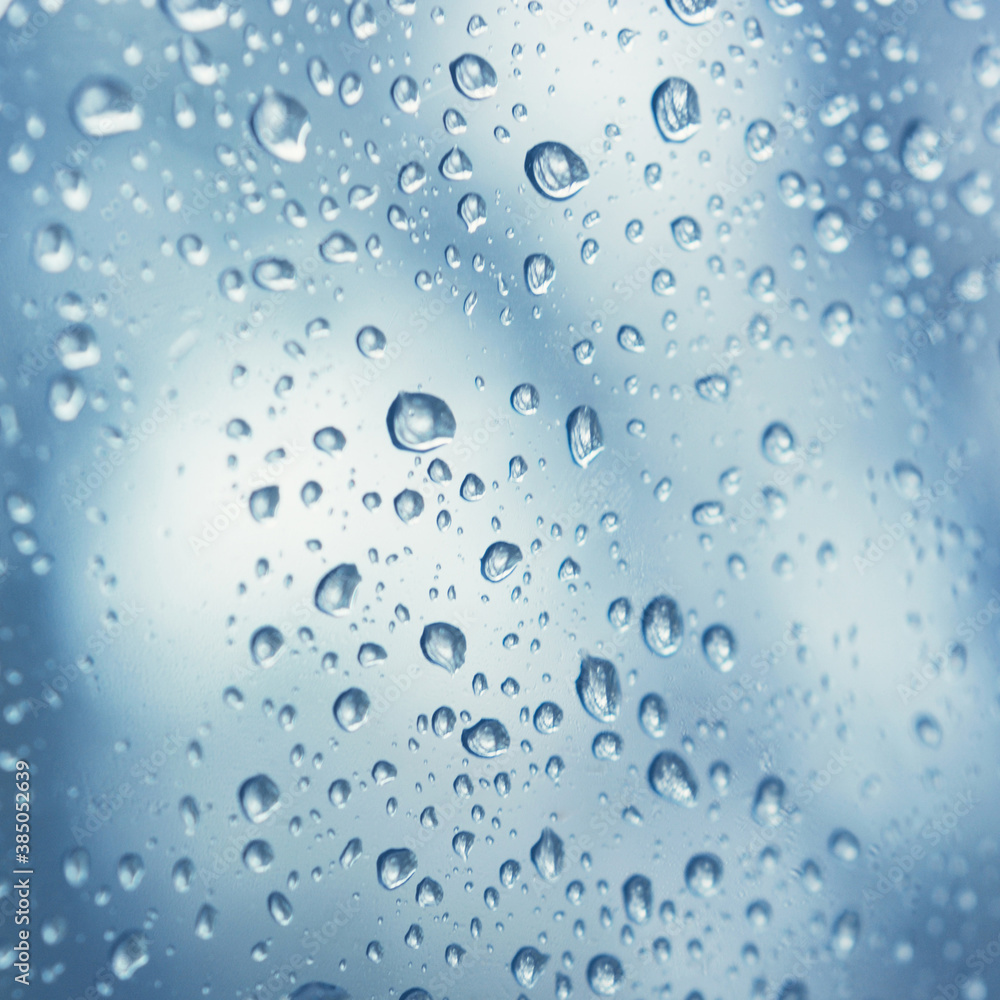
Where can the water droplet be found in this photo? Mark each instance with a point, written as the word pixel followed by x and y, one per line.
pixel 281 125
pixel 395 866
pixel 259 798
pixel 527 966
pixel 351 709
pixel 555 170
pixel 586 440
pixel 719 646
pixel 487 738
pixel 675 108
pixel 499 561
pixel 663 626
pixel 420 422
pixel 605 975
pixel 444 645
pixel 670 777
pixel 104 106
pixel 599 688
pixel 703 875
pixel 548 855
pixel 474 77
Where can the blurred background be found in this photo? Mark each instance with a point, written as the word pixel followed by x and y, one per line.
pixel 232 236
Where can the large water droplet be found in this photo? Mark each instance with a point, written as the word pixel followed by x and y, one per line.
pixel 335 592
pixel 663 626
pixel 487 738
pixel 670 777
pixel 599 689
pixel 103 106
pixel 586 439
pixel 259 798
pixel 281 125
pixel 527 966
pixel 474 77
pixel 499 560
pixel 420 422
pixel 548 855
pixel 703 875
pixel 675 108
pixel 605 975
pixel 395 866
pixel 555 170
pixel 444 645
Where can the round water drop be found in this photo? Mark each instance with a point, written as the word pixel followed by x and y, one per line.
pixel 586 439
pixel 499 561
pixel 280 909
pixel 264 503
pixel 832 230
pixel 653 716
pixel 103 106
pixel 351 709
pixel 599 689
pixel 330 440
pixel 703 875
pixel 928 731
pixel 129 954
pixel 259 798
pixel 474 77
pixel 266 645
pixel 907 479
pixel 687 233
pixel 555 171
pixel 719 647
pixel 275 274
pixel 714 388
pixel 257 856
pixel 760 140
pixel 923 151
pixel 662 626
pixel 778 444
pixel 524 399
pixel 769 800
pixel 281 125
pixel 539 273
pixel 406 94
pixel 53 248
pixel 670 777
pixel 548 855
pixel 527 966
pixel 548 717
pixel 77 346
pixel 472 211
pixel 395 866
pixel 605 975
pixel 420 422
pixel 675 109
pixel 66 397
pixel 637 894
pixel 487 738
pixel 339 248
pixel 837 323
pixel 444 645
pixel 844 846
pixel 473 489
